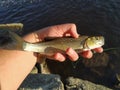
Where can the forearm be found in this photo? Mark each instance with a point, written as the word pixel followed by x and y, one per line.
pixel 14 67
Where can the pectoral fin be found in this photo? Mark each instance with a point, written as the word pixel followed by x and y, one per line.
pixel 43 64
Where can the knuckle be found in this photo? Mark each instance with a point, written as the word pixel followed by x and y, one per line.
pixel 73 25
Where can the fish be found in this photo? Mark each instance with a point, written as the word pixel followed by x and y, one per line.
pixel 60 44
pixel 12 41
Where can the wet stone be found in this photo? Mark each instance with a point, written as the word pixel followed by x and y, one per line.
pixel 42 82
pixel 79 84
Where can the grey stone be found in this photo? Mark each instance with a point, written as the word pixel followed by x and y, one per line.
pixel 79 84
pixel 42 82
pixel 34 70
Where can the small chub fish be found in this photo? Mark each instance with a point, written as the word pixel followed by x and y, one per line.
pixel 11 41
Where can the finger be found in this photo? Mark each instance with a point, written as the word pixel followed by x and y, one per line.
pixel 58 57
pixel 56 31
pixel 32 38
pixel 86 54
pixel 73 56
pixel 71 29
pixel 99 50
pixel 63 29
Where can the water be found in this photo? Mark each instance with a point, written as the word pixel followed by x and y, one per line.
pixel 92 17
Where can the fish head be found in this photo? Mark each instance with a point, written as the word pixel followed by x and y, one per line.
pixel 94 42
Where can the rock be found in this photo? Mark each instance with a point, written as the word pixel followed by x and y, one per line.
pixel 114 64
pixel 64 69
pixel 79 84
pixel 98 60
pixel 34 70
pixel 42 82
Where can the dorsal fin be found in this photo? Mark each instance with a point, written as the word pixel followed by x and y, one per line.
pixel 11 26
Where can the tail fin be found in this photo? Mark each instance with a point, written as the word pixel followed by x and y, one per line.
pixel 12 26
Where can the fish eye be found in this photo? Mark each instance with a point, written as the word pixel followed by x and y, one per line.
pixel 97 38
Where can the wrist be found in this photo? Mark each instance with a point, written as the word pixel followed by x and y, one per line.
pixel 15 66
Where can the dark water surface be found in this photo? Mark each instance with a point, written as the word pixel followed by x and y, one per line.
pixel 92 17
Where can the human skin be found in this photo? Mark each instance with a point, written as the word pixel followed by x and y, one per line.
pixel 16 65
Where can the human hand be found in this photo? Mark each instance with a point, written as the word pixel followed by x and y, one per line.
pixel 60 31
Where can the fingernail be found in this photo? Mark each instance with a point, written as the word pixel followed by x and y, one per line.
pixel 99 50
pixel 87 54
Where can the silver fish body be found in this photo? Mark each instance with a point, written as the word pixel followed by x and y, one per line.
pixel 80 44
